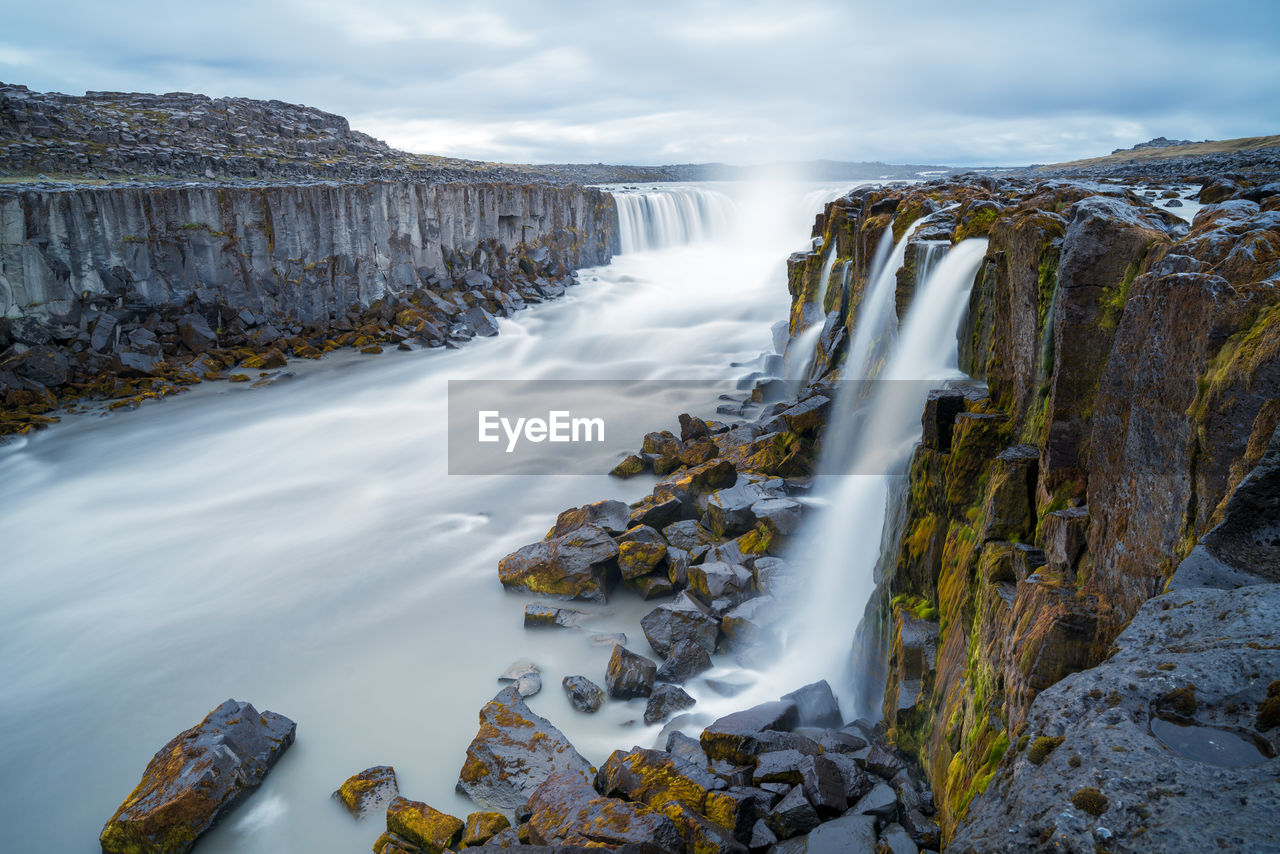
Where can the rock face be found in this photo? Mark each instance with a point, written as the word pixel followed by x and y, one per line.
pixel 302 252
pixel 1168 732
pixel 196 778
pixel 1130 363
pixel 513 753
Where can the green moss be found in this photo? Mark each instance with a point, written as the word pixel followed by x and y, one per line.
pixel 1090 800
pixel 1042 747
pixel 917 606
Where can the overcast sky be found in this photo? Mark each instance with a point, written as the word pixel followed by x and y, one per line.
pixel 654 82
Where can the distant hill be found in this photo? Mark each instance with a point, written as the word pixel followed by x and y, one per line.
pixel 1148 151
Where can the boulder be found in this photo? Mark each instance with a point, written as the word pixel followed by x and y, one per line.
pixel 778 766
pixel 584 695
pixel 664 701
pixel 793 815
pixel 816 705
pixel 714 580
pixel 637 558
pixel 483 826
pixel 195 334
pixel 687 658
pixel 690 536
pixel 684 618
pixel 894 839
pixel 782 514
pixel 851 834
pixel 700 833
pixel 578 565
pixel 880 801
pixel 196 778
pixel 420 825
pixel 729 510
pixel 629 675
pixel 654 777
pixel 513 753
pixel 613 516
pixel 369 790
pixel 565 810
pixel 45 365
pixel 538 614
pixel 824 785
pixel 737 737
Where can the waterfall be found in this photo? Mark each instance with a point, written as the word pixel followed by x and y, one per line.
pixel 658 218
pixel 824 280
pixel 844 543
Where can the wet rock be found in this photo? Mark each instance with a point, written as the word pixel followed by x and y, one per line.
pixel 924 831
pixel 196 778
pixel 629 675
pixel 418 824
pixel 778 766
pixel 567 811
pixel 684 618
pixel 880 801
pixel 665 701
pixel 196 335
pixel 718 580
pixel 748 625
pixel 1209 782
pixel 687 658
pixel 690 536
pixel 483 826
pixel 513 753
pixel 782 514
pixel 940 411
pixel 824 785
pixel 883 763
pixel 656 586
pixel 895 840
pixel 584 695
pixel 633 465
pixel 654 777
pixel 700 833
pixel 856 781
pixel 761 836
pixel 642 534
pixel 636 558
pixel 658 514
pixel 793 815
pixel 737 737
pixel 816 705
pixel 508 838
pixel 578 565
pixel 613 516
pixel 481 322
pixel 369 790
pixel 851 834
pixel 729 510
pixel 526 675
pixel 45 365
pixel 541 615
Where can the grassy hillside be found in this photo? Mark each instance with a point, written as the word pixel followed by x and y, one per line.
pixel 1196 149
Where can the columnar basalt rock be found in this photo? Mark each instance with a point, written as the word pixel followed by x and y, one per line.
pixel 1129 364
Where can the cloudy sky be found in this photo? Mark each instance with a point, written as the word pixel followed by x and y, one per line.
pixel 654 82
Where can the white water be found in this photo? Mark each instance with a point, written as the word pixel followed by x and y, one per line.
pixel 838 549
pixel 674 216
pixel 303 547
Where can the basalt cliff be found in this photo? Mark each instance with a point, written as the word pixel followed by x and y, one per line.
pixel 127 289
pixel 1122 443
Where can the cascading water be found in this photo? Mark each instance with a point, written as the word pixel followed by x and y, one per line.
pixel 670 216
pixel 846 543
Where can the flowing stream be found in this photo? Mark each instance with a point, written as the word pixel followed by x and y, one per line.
pixel 303 546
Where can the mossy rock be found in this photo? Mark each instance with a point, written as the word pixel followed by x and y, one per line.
pixel 425 827
pixel 630 467
pixel 483 826
pixel 367 790
pixel 1042 747
pixel 1090 800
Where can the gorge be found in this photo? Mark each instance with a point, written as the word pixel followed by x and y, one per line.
pixel 964 537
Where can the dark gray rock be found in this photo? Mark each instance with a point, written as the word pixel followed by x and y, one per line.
pixel 684 618
pixel 824 785
pixel 370 790
pixel 851 834
pixel 578 564
pixel 42 364
pixel 584 695
pixel 881 801
pixel 513 753
pixel 664 701
pixel 737 737
pixel 195 334
pixel 816 705
pixel 197 778
pixel 687 658
pixel 793 815
pixel 629 675
pixel 778 766
pixel 1168 730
